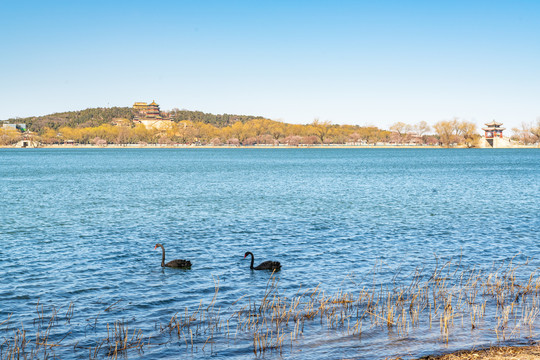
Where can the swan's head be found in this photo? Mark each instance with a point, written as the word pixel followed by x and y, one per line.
pixel 155 247
pixel 246 254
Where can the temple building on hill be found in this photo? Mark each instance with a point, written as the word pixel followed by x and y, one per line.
pixel 150 116
pixel 494 136
pixel 140 106
pixel 20 127
pixel 153 110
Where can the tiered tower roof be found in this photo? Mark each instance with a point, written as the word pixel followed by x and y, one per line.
pixel 493 125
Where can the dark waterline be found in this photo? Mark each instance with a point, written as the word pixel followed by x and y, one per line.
pixel 80 225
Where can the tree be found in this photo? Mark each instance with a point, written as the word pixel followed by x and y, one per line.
pixel 293 140
pixel 444 129
pixel 165 140
pixel 142 134
pixel 320 129
pixel 421 128
pixel 99 142
pixel 124 136
pixel 233 141
pixel 310 140
pixel 206 132
pixel 276 129
pixel 49 136
pixel 9 136
pixel 184 132
pixel 250 141
pixel 355 138
pixel 240 131
pixel 401 129
pixel 467 130
pixel 535 129
pixel 528 134
pixel 456 132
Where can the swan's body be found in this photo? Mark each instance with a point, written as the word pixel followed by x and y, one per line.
pixel 267 265
pixel 178 263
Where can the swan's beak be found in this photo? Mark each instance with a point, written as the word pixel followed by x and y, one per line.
pixel 155 247
pixel 244 256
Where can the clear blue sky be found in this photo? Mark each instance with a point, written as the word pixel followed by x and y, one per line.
pixel 355 62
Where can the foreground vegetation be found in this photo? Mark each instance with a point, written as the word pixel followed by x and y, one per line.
pixel 444 304
pixel 116 126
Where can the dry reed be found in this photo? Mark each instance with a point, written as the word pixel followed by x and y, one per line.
pixel 494 301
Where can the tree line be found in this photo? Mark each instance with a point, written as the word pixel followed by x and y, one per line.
pixel 219 120
pixel 528 133
pixel 252 132
pixel 115 125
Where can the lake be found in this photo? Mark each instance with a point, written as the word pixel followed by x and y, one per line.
pixel 79 226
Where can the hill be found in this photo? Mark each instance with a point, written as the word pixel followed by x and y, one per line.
pixel 83 118
pixel 98 116
pixel 216 120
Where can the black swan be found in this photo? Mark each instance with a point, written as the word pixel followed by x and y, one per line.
pixel 267 265
pixel 178 263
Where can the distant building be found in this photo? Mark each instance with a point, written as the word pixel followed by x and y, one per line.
pixel 20 127
pixel 148 111
pixel 150 116
pixel 493 130
pixel 494 136
pixel 27 143
pixel 152 111
pixel 140 106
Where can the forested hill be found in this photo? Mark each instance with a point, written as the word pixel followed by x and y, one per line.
pixel 82 118
pixel 216 120
pixel 98 116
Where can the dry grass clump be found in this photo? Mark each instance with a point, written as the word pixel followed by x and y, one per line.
pixel 22 344
pixel 450 298
pixel 47 334
pixel 205 321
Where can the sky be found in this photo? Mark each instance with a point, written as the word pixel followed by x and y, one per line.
pixel 346 62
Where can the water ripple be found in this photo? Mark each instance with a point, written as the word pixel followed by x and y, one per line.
pixel 80 226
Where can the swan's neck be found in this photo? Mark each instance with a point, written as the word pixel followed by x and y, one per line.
pixel 162 256
pixel 252 261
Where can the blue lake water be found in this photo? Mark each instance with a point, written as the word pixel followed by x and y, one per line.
pixel 79 226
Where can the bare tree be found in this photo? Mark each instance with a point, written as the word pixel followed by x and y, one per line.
pixel 528 134
pixel 467 130
pixel 456 131
pixel 421 128
pixel 293 140
pixel 535 129
pixel 400 129
pixel 444 129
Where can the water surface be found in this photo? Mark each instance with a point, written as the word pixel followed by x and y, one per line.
pixel 80 225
